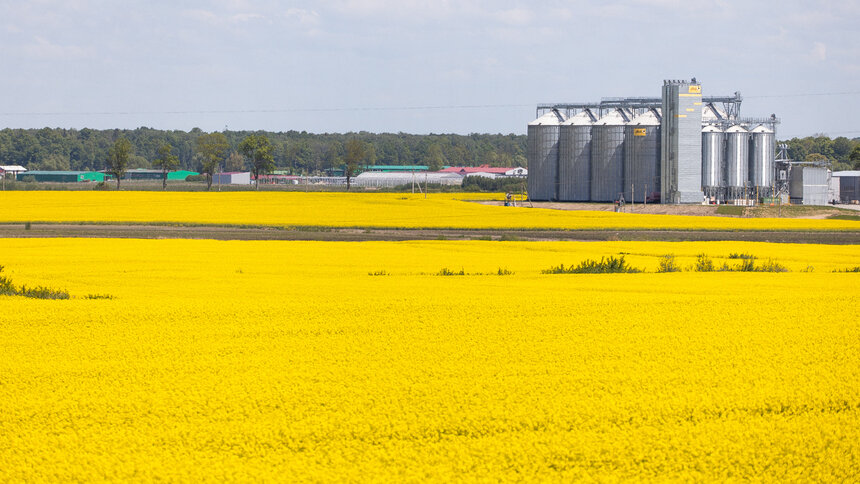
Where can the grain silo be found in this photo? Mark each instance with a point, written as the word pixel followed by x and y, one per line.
pixel 607 156
pixel 574 164
pixel 642 157
pixel 542 153
pixel 737 162
pixel 761 159
pixel 713 149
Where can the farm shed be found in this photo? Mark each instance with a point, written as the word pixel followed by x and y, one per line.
pixel 144 174
pixel 11 171
pixel 232 178
pixel 66 176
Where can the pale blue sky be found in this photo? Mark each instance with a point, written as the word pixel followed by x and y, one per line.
pixel 415 66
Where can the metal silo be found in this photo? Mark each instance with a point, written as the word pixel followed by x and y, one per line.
pixel 713 149
pixel 574 164
pixel 761 159
pixel 642 157
pixel 607 157
pixel 542 154
pixel 737 162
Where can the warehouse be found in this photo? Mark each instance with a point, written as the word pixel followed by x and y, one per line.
pixel 64 176
pixel 848 185
pixel 144 174
pixel 682 147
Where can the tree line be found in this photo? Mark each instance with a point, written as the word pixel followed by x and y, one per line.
pixel 844 153
pixel 297 152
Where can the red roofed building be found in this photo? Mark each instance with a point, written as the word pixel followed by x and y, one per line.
pixel 470 170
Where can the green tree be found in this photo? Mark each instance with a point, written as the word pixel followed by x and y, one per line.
pixel 213 149
pixel 165 160
pixel 356 152
pixel 435 159
pixel 855 157
pixel 258 151
pixel 117 160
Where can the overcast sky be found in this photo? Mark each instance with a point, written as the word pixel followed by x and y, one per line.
pixel 415 66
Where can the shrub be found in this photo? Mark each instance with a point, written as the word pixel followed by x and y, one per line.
pixel 448 272
pixel 588 266
pixel 7 288
pixel 98 296
pixel 504 272
pixel 704 263
pixel 743 256
pixel 850 269
pixel 378 273
pixel 667 264
pixel 771 265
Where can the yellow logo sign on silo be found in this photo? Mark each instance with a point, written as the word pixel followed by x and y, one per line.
pixel 695 89
pixel 639 132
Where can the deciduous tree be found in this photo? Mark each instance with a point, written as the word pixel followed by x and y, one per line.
pixel 212 149
pixel 258 151
pixel 117 160
pixel 165 160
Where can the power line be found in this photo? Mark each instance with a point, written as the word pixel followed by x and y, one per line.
pixel 270 111
pixel 808 94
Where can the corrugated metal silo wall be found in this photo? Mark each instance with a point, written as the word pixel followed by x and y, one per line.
pixel 681 165
pixel 574 166
pixel 607 162
pixel 542 156
pixel 713 147
pixel 761 159
pixel 641 162
pixel 737 167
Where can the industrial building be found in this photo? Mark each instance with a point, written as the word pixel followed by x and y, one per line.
pixel 64 176
pixel 847 186
pixel 682 147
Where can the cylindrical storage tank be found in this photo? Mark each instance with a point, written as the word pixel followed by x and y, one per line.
pixel 642 158
pixel 574 163
pixel 607 157
pixel 761 157
pixel 542 154
pixel 737 164
pixel 713 148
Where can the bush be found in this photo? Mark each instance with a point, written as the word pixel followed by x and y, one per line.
pixel 448 272
pixel 588 266
pixel 743 256
pixel 504 272
pixel 667 264
pixel 704 263
pixel 195 178
pixel 7 288
pixel 850 269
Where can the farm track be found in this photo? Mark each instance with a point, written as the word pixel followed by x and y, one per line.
pixel 376 234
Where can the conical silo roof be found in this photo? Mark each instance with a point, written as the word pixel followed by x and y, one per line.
pixel 551 118
pixel 648 118
pixel 711 128
pixel 616 117
pixel 761 129
pixel 583 118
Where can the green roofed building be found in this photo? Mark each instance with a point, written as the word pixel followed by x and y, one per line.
pixel 144 174
pixel 64 176
pixel 396 168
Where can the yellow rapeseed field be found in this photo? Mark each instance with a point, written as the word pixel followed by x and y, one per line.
pixel 270 361
pixel 352 210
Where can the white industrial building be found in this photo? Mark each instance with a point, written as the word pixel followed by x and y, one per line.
pixel 372 179
pixel 232 178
